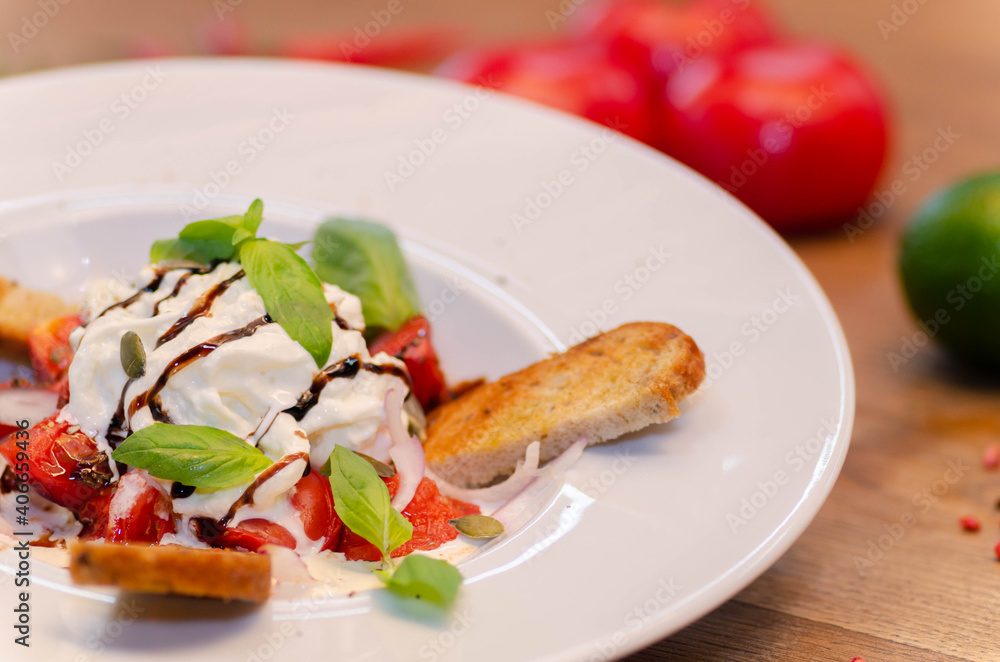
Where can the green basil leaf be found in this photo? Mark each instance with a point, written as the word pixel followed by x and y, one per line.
pixel 362 501
pixel 201 241
pixel 426 579
pixel 364 259
pixel 202 252
pixel 194 455
pixel 293 295
pixel 249 222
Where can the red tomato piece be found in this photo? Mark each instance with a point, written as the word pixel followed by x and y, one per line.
pixel 65 468
pixel 251 535
pixel 579 77
pixel 429 513
pixel 412 344
pixel 312 498
pixel 48 345
pixel 671 35
pixel 138 512
pixel 796 131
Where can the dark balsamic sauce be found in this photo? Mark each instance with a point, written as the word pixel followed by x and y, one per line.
pixel 346 369
pixel 201 308
pixel 209 530
pixel 152 286
pixel 180 490
pixel 200 350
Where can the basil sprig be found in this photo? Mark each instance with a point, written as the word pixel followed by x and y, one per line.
pixel 194 455
pixel 362 501
pixel 364 259
pixel 291 291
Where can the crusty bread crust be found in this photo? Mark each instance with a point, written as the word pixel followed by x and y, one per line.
pixel 21 309
pixel 607 386
pixel 200 573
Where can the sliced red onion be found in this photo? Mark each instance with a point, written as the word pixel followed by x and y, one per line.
pixel 524 475
pixel 407 452
pixel 34 404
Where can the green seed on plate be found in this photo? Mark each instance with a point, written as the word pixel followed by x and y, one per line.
pixel 133 355
pixel 480 527
pixel 381 468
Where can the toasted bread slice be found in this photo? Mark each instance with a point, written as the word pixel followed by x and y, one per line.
pixel 200 573
pixel 617 382
pixel 21 309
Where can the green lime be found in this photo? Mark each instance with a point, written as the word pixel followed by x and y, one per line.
pixel 950 263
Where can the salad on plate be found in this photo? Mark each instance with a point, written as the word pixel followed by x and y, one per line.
pixel 235 397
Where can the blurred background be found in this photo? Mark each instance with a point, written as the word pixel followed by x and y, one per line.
pixel 917 55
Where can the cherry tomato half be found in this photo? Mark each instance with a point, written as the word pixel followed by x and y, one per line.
pixel 797 131
pixel 579 77
pixel 312 499
pixel 138 512
pixel 65 468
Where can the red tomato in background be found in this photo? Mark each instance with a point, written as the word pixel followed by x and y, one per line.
pixel 575 76
pixel 670 35
pixel 796 131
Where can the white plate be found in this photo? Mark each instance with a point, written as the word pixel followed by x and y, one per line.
pixel 645 536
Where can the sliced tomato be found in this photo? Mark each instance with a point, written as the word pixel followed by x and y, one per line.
pixel 252 534
pixel 412 344
pixel 138 512
pixel 429 513
pixel 64 467
pixel 312 499
pixel 49 348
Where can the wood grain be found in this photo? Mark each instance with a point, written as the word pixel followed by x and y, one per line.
pixel 884 572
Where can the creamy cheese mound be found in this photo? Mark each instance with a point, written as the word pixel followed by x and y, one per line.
pixel 242 387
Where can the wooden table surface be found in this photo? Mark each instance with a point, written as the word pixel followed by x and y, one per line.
pixel 884 572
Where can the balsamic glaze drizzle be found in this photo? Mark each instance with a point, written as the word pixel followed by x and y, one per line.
pixel 200 308
pixel 348 368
